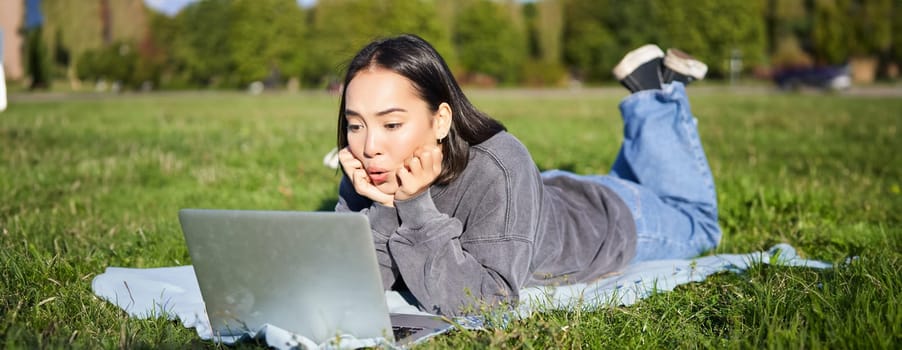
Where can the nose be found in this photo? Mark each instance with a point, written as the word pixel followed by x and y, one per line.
pixel 373 145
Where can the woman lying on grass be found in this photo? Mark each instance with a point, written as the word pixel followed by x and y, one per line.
pixel 459 211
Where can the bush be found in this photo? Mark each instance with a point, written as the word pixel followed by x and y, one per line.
pixel 118 62
pixel 489 42
pixel 541 73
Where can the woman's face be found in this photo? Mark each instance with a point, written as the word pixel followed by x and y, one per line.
pixel 388 122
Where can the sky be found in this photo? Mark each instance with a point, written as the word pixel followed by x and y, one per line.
pixel 170 7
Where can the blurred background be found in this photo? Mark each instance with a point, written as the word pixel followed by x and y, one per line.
pixel 141 45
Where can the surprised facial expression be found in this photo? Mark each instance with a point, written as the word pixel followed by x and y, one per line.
pixel 387 122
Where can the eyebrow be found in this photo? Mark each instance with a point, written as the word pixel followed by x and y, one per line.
pixel 378 114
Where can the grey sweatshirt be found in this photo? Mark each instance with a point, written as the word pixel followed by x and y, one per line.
pixel 497 228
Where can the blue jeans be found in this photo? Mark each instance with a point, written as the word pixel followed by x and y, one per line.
pixel 663 176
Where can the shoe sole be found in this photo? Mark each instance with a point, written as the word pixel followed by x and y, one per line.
pixel 686 65
pixel 636 58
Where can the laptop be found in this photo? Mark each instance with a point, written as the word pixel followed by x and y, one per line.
pixel 311 273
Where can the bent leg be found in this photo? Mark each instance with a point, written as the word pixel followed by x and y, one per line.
pixel 663 231
pixel 662 153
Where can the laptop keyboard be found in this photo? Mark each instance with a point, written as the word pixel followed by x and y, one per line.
pixel 401 332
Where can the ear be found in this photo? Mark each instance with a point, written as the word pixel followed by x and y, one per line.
pixel 442 123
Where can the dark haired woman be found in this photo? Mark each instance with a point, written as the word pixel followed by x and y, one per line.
pixel 461 215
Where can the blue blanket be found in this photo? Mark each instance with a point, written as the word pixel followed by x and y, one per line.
pixel 173 292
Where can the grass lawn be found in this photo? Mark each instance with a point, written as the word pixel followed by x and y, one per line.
pixel 88 182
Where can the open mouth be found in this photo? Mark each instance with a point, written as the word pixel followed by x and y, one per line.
pixel 378 176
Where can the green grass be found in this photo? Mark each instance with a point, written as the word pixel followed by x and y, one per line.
pixel 88 182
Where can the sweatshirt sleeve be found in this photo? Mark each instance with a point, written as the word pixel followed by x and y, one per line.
pixel 454 267
pixel 383 222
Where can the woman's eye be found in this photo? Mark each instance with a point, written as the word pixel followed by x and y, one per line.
pixel 392 126
pixel 354 127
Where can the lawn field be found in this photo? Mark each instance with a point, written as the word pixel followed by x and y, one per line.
pixel 90 181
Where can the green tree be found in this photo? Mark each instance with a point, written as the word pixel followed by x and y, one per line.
pixel 116 62
pixel 787 18
pixel 846 28
pixel 37 62
pixel 872 26
pixel 61 54
pixel 589 47
pixel 203 47
pixel 714 30
pixel 338 28
pixel 530 14
pixel 895 56
pixel 267 39
pixel 489 41
pixel 550 26
pixel 636 23
pixel 598 33
pixel 73 27
pixel 420 18
pixel 341 27
pixel 156 62
pixel 544 24
pixel 788 23
pixel 830 31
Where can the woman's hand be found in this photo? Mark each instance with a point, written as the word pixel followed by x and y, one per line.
pixel 419 172
pixel 361 181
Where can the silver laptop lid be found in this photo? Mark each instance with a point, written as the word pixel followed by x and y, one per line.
pixel 311 273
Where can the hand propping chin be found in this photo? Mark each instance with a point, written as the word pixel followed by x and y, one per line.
pixel 363 185
pixel 419 172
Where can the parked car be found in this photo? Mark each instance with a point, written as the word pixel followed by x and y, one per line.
pixel 821 77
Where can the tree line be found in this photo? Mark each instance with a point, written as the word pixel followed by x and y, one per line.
pixel 231 43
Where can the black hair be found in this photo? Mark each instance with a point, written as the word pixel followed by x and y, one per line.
pixel 415 59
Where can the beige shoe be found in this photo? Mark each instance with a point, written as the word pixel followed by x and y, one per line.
pixel 680 66
pixel 640 69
